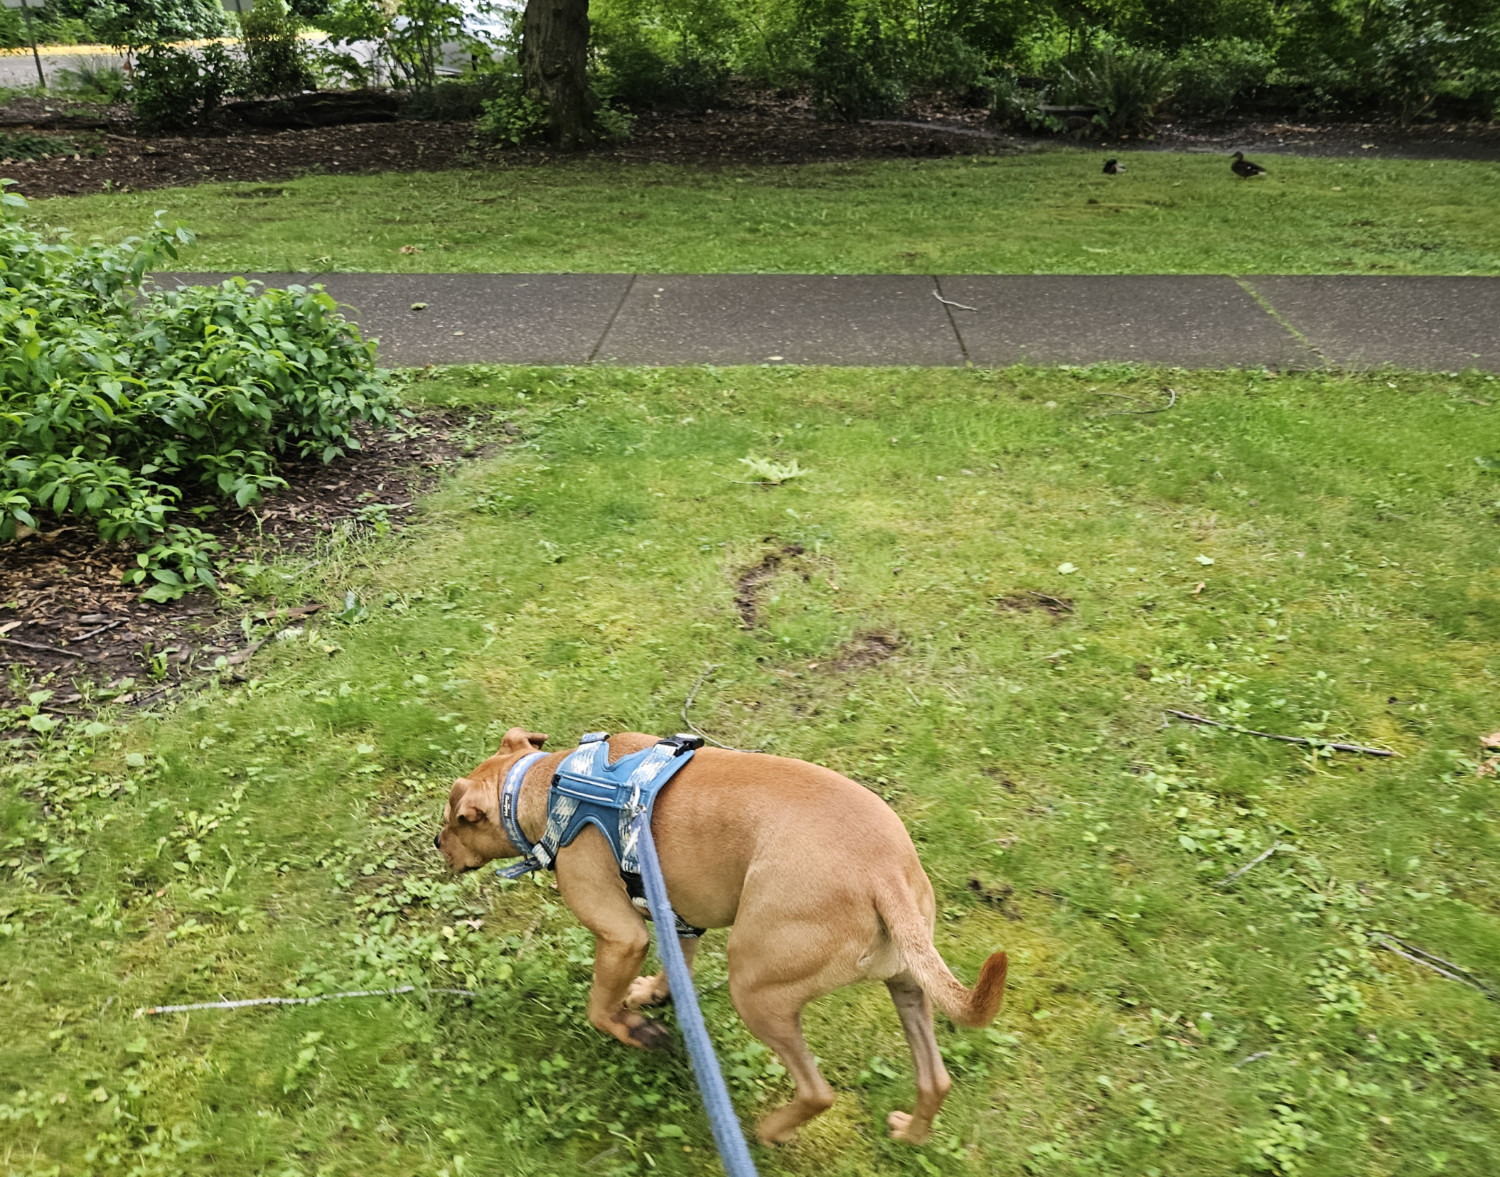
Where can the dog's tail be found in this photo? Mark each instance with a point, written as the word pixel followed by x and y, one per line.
pixel 968 1007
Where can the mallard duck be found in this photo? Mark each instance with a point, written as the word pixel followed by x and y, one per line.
pixel 1243 168
pixel 1113 167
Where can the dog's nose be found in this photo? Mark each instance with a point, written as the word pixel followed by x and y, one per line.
pixel 437 839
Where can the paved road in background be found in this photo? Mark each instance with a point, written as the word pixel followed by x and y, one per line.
pixel 17 70
pixel 1433 324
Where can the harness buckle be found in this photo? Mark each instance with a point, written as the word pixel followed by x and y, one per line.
pixel 682 742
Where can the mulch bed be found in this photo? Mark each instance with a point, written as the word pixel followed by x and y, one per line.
pixel 751 129
pixel 778 133
pixel 67 624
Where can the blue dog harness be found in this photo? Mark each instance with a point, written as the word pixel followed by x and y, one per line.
pixel 588 790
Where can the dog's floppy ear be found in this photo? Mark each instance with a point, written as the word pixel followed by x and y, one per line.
pixel 472 812
pixel 518 739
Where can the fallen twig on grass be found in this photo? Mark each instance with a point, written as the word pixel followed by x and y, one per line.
pixel 244 1003
pixel 1307 741
pixel 693 727
pixel 1171 400
pixel 1256 861
pixel 41 649
pixel 1411 952
pixel 950 303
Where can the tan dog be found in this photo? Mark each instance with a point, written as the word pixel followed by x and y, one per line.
pixel 816 874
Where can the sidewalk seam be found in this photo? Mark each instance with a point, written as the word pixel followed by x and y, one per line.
pixel 613 315
pixel 1286 324
pixel 963 348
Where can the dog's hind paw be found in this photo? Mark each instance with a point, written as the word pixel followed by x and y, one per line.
pixel 907 1128
pixel 649 1035
pixel 645 991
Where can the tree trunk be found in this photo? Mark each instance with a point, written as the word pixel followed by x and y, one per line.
pixel 554 66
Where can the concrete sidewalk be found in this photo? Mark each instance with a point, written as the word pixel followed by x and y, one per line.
pixel 1209 321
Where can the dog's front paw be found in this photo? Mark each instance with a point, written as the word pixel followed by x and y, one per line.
pixel 646 991
pixel 648 1034
pixel 907 1128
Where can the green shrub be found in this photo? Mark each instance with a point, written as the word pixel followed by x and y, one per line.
pixel 1126 87
pixel 613 126
pixel 1019 107
pixel 634 71
pixel 58 30
pixel 116 401
pixel 276 62
pixel 30 145
pixel 511 115
pixel 90 82
pixel 451 100
pixel 857 72
pixel 1209 79
pixel 175 88
pixel 156 22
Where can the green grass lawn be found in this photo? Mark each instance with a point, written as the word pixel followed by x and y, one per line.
pixel 1051 212
pixel 1262 553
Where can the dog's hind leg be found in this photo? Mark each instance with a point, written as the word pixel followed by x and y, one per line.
pixel 932 1077
pixel 774 1016
pixel 654 990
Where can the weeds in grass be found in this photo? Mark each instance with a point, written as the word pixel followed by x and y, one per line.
pixel 273 836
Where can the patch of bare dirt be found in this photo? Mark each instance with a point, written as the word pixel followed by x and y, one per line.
pixel 68 625
pixel 1436 140
pixel 1030 601
pixel 865 650
pixel 998 896
pixel 750 582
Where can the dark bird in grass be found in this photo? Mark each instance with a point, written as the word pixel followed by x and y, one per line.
pixel 1243 168
pixel 1113 167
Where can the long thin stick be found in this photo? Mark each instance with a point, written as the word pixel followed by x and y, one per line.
pixel 950 303
pixel 1428 961
pixel 693 727
pixel 1171 400
pixel 1256 861
pixel 41 649
pixel 97 630
pixel 150 1011
pixel 1421 956
pixel 1311 743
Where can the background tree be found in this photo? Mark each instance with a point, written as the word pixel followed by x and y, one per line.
pixel 554 68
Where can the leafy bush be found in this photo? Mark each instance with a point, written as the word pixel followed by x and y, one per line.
pixel 91 82
pixel 1211 78
pixel 154 22
pixel 49 29
pixel 857 72
pixel 1126 87
pixel 634 71
pixel 452 100
pixel 175 88
pixel 30 145
pixel 115 401
pixel 613 126
pixel 1019 107
pixel 276 61
pixel 511 115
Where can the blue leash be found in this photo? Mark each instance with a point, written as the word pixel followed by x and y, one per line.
pixel 726 1125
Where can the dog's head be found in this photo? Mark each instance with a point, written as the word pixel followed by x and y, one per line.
pixel 472 833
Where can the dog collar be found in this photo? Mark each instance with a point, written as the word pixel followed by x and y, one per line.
pixel 510 802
